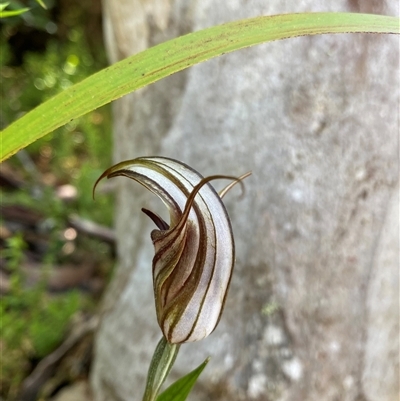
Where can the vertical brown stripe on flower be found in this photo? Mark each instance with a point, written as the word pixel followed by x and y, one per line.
pixel 194 254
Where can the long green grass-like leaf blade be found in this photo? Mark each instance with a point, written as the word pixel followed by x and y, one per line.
pixel 179 390
pixel 175 55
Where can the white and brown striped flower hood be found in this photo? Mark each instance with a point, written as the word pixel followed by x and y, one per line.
pixel 194 254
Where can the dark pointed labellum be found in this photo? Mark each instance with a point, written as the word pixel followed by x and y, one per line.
pixel 194 254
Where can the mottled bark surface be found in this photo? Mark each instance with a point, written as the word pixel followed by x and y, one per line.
pixel 313 309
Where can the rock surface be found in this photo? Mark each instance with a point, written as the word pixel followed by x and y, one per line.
pixel 312 312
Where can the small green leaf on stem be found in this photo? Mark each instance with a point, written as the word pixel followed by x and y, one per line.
pixel 179 390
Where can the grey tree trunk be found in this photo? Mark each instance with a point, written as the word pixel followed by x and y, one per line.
pixel 313 311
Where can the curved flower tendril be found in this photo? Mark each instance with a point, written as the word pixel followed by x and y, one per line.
pixel 194 254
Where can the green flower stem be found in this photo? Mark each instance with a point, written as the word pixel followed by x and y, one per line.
pixel 161 363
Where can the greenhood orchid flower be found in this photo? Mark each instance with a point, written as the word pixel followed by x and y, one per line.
pixel 194 254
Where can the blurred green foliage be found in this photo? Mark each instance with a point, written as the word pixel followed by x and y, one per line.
pixel 79 152
pixel 33 321
pixel 15 8
pixel 10 13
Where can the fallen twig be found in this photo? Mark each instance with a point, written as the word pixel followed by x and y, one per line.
pixel 43 371
pixel 92 229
